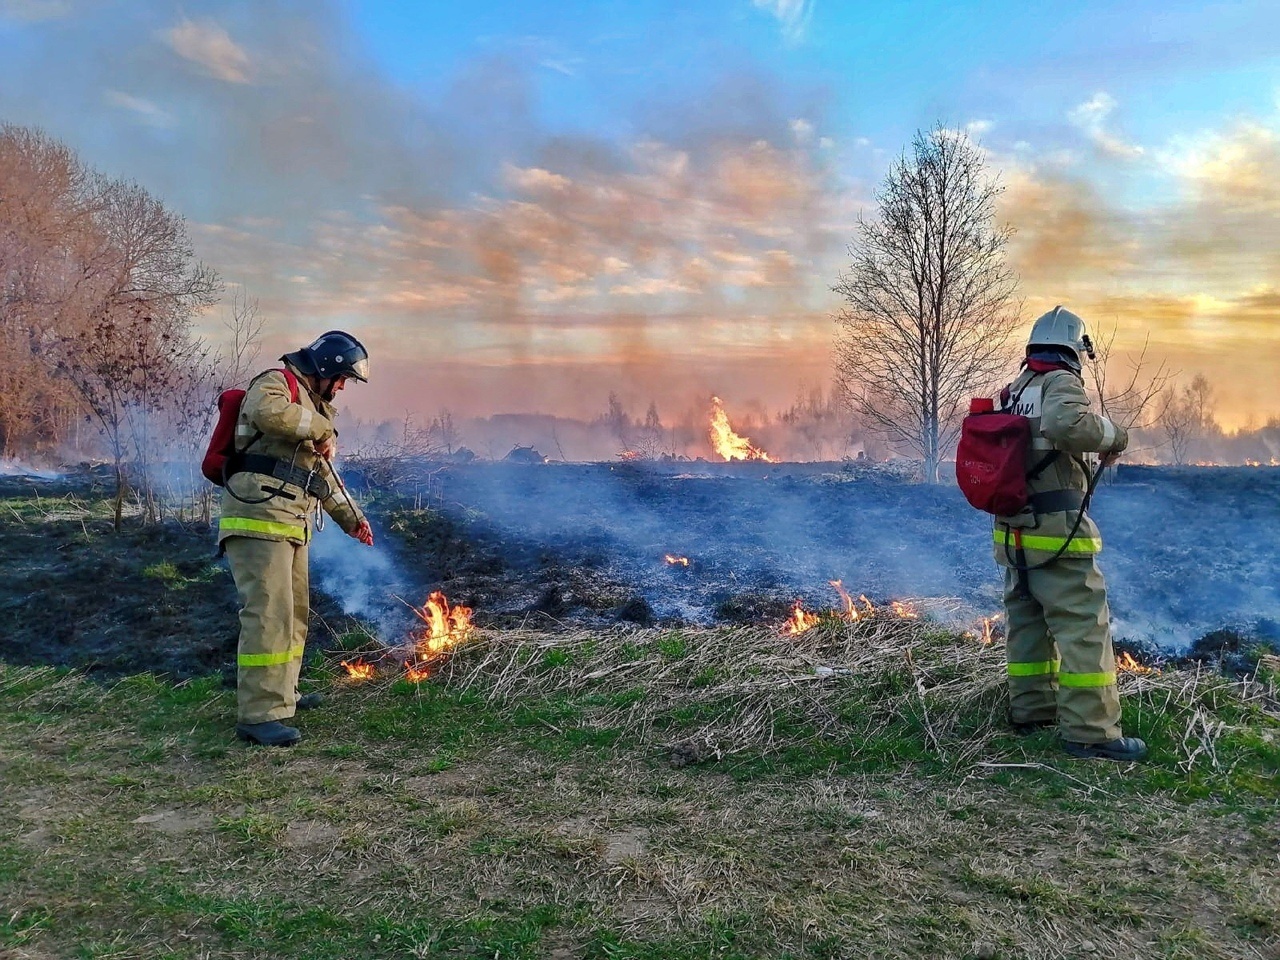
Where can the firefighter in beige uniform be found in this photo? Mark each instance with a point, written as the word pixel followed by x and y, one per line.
pixel 1061 665
pixel 280 475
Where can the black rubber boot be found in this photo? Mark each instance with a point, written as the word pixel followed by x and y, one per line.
pixel 1122 748
pixel 310 701
pixel 271 733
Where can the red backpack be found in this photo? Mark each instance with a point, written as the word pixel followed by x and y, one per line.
pixel 222 444
pixel 991 459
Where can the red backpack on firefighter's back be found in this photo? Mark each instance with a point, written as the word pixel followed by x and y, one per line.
pixel 222 444
pixel 991 459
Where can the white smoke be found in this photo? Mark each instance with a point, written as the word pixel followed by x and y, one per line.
pixel 364 580
pixel 16 468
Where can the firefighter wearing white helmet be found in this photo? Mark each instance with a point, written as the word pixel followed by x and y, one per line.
pixel 281 477
pixel 1062 669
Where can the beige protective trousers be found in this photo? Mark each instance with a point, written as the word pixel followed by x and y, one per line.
pixel 1061 664
pixel 271 579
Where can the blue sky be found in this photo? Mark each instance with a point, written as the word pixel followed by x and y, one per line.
pixel 563 199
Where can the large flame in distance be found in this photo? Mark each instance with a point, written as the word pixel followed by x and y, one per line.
pixel 727 443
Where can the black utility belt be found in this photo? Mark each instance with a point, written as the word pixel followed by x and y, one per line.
pixel 1057 501
pixel 282 470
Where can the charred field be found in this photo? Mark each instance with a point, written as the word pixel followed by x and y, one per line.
pixel 628 758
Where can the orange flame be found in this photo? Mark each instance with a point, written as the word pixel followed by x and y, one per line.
pixel 800 621
pixel 850 608
pixel 446 627
pixel 1127 663
pixel 628 455
pixel 417 672
pixel 727 443
pixel 676 561
pixel 358 669
pixel 987 636
pixel 904 611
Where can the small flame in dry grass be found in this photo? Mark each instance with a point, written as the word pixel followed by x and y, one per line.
pixel 800 620
pixel 1127 663
pixel 727 443
pixel 675 561
pixel 1273 462
pixel 358 669
pixel 629 455
pixel 987 637
pixel 904 611
pixel 416 672
pixel 850 608
pixel 446 628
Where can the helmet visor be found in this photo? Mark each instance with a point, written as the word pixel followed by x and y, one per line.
pixel 360 369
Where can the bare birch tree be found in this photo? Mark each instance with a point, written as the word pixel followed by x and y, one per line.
pixel 929 300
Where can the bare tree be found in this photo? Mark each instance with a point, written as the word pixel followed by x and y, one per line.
pixel 392 461
pixel 44 219
pixel 648 441
pixel 1187 416
pixel 244 329
pixel 445 430
pixel 618 422
pixel 1127 392
pixel 146 286
pixel 929 300
pixel 1177 422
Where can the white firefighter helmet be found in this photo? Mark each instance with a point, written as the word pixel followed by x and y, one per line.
pixel 1060 328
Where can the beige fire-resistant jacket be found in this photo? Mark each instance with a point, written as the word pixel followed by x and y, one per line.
pixel 1058 408
pixel 289 432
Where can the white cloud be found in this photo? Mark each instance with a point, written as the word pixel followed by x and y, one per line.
pixel 146 111
pixel 211 47
pixel 1091 117
pixel 793 15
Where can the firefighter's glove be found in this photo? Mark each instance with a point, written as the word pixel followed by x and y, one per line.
pixel 1109 458
pixel 364 533
pixel 327 448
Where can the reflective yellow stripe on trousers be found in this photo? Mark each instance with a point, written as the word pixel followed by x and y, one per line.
pixel 1036 668
pixel 270 527
pixel 269 659
pixel 1106 678
pixel 1077 546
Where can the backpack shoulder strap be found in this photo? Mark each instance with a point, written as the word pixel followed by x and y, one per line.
pixel 293 383
pixel 293 398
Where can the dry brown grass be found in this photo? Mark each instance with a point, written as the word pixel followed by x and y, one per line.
pixel 144 831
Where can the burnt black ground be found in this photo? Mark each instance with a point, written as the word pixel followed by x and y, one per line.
pixel 1191 554
pixel 151 598
pixel 1188 551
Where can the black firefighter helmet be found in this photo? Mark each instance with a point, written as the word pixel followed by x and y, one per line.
pixel 332 354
